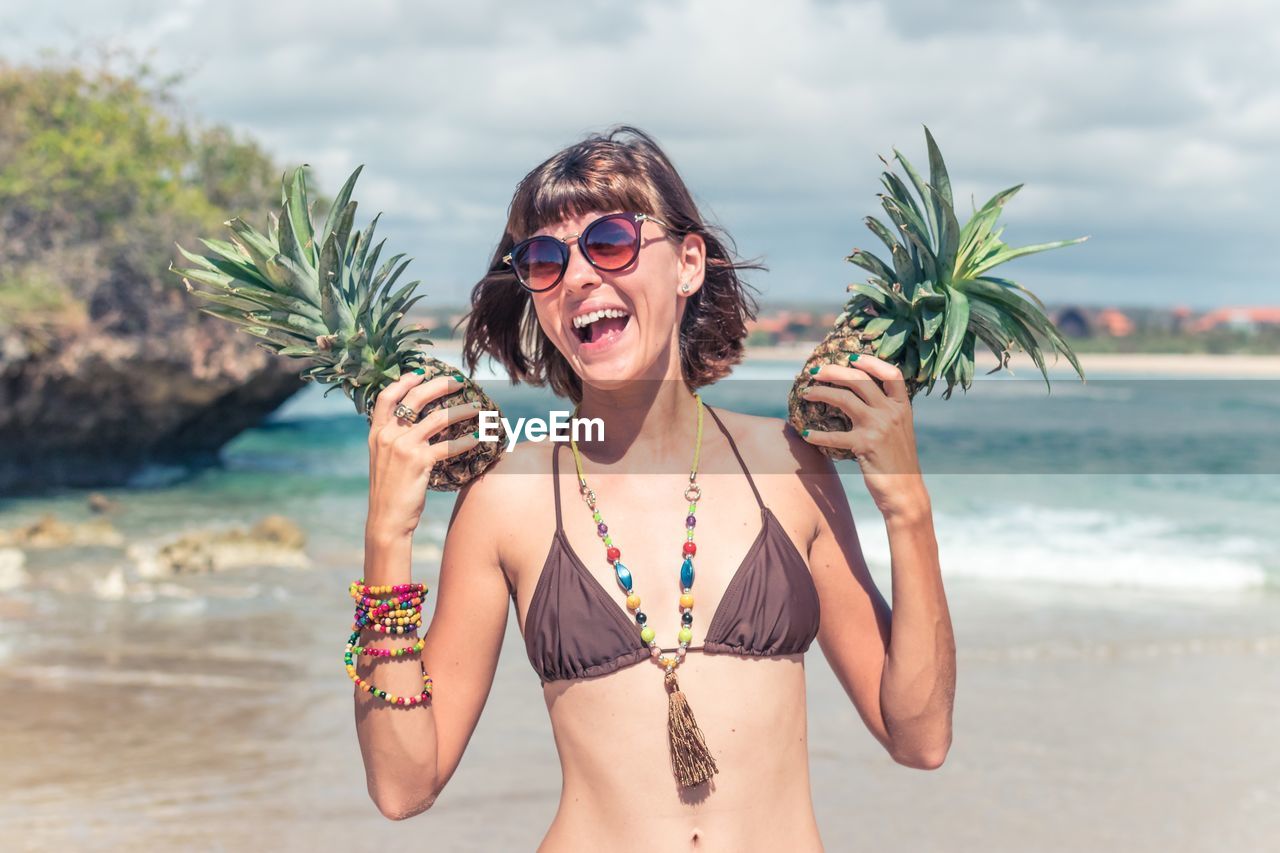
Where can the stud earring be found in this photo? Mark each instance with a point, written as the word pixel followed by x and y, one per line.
pixel 684 288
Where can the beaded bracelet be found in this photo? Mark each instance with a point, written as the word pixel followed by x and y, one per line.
pixel 388 603
pixel 396 615
pixel 349 660
pixel 391 624
pixel 391 615
pixel 358 588
pixel 364 618
pixel 399 614
pixel 389 629
pixel 365 651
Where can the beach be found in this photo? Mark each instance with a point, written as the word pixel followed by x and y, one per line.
pixel 1240 366
pixel 1118 651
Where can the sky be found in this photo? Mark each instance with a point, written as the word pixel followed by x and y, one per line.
pixel 1152 127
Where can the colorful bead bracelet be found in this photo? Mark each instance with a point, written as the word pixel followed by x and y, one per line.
pixel 398 615
pixel 359 586
pixel 388 653
pixel 349 661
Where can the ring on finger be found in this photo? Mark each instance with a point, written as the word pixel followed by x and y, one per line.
pixel 403 411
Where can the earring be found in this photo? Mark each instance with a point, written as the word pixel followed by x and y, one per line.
pixel 684 288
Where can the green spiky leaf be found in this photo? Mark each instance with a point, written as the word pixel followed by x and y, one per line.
pixel 954 326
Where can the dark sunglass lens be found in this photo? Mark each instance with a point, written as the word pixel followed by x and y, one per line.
pixel 612 243
pixel 539 263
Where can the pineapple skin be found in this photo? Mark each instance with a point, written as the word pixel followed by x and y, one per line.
pixel 455 471
pixel 804 414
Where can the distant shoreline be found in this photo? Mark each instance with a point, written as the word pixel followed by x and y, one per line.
pixel 1174 364
pixel 1170 364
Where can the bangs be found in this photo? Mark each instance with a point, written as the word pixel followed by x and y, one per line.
pixel 575 189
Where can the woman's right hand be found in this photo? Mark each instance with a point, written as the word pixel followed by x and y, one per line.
pixel 402 454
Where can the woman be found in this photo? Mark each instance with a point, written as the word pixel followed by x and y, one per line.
pixel 629 331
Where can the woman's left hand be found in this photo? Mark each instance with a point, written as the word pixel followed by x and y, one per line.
pixel 883 435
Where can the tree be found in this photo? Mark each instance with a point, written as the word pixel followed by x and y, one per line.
pixel 99 177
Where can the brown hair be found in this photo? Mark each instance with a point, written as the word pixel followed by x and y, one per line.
pixel 600 173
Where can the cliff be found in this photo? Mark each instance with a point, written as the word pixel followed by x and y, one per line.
pixel 93 404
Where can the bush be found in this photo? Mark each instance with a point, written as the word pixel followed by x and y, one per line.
pixel 99 178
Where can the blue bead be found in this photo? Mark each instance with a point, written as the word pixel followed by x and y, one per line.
pixel 624 575
pixel 686 573
pixel 641 618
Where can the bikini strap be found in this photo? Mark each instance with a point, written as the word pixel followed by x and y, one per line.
pixel 734 448
pixel 555 479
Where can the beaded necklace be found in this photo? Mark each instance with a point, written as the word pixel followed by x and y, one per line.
pixel 691 760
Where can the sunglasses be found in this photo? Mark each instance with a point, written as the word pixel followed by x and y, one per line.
pixel 610 243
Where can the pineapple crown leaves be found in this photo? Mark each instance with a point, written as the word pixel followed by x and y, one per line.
pixel 926 308
pixel 314 294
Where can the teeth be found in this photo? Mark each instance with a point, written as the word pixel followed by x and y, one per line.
pixel 587 319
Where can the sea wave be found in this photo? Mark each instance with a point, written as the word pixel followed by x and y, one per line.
pixel 1090 548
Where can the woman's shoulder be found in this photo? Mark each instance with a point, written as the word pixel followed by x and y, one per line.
pixel 782 463
pixel 766 441
pixel 510 503
pixel 760 433
pixel 510 479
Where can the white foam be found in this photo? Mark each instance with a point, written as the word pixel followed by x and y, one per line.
pixel 112 587
pixel 13 572
pixel 1087 548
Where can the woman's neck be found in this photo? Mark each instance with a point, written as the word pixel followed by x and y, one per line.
pixel 652 423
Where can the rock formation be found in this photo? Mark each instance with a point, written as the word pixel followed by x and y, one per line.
pixel 90 406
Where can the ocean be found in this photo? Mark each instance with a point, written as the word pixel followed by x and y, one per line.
pixel 1124 481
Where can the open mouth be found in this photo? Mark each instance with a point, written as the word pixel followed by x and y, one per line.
pixel 601 326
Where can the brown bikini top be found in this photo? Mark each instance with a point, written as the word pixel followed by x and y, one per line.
pixel 575 629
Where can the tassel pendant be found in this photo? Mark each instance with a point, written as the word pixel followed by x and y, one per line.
pixel 690 758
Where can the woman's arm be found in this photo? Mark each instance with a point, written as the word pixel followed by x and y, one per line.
pixel 897 665
pixel 917 693
pixel 410 753
pixel 907 695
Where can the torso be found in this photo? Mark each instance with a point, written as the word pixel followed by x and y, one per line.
pixel 611 731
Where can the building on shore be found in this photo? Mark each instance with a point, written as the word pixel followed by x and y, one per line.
pixel 1247 319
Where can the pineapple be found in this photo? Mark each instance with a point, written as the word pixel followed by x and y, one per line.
pixel 927 308
pixel 321 296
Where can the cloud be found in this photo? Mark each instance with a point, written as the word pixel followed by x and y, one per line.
pixel 1150 126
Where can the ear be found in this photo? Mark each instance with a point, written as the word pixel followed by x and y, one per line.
pixel 691 264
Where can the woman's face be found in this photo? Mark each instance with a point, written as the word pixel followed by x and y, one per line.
pixel 642 343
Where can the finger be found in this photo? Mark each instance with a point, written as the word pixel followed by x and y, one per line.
pixel 390 396
pixel 441 450
pixel 420 396
pixel 889 374
pixel 842 398
pixel 860 382
pixel 440 420
pixel 844 440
